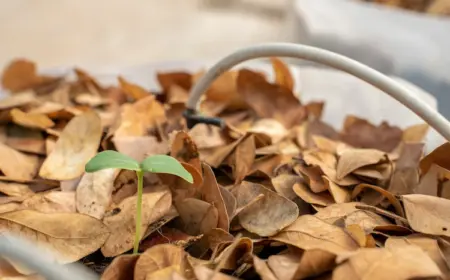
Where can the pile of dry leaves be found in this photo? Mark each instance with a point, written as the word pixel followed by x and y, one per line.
pixel 436 7
pixel 277 194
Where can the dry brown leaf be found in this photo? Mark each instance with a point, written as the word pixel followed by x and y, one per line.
pixel 265 216
pixel 211 193
pixel 17 100
pixel 15 189
pixel 366 220
pixel 401 263
pixel 335 212
pixel 270 100
pixel 283 76
pixel 357 233
pixel 185 150
pixel 132 90
pixel 234 254
pixel 207 136
pixel 406 174
pixel 16 165
pixel 70 236
pixel 339 194
pixel 77 144
pixel 205 273
pixel 140 147
pixel 308 233
pixel 31 120
pixel 167 79
pixel 389 196
pixel 94 192
pixel 229 200
pixel 312 176
pixel 122 224
pixel 438 156
pixel 21 74
pixel 381 172
pixel 427 214
pixel 198 216
pixel 284 183
pixel 263 269
pixel 352 159
pixel 120 268
pixel 362 134
pixel 25 140
pixel 160 257
pixel 51 202
pixel 314 127
pixel 429 245
pixel 322 199
pixel 90 100
pixel 243 158
pixel 270 127
pixel 415 133
pixel 299 265
pixel 429 183
pixel 168 235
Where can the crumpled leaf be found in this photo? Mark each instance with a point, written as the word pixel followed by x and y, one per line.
pixel 387 263
pixel 268 215
pixel 242 159
pixel 308 233
pixel 17 165
pixel 77 144
pixel 94 192
pixel 122 224
pixel 339 194
pixel 427 214
pixel 438 156
pixel 31 120
pixel 70 236
pixel 352 159
pixel 322 199
pixel 160 257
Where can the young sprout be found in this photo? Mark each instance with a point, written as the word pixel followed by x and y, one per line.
pixel 154 164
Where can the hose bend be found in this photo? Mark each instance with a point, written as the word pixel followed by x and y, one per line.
pixel 365 73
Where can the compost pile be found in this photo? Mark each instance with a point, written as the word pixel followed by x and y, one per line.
pixel 277 193
pixel 435 7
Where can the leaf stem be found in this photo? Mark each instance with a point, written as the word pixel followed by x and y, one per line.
pixel 140 186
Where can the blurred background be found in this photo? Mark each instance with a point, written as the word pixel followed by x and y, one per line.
pixel 404 38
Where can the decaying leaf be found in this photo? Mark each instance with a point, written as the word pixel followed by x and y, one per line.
pixel 122 222
pixel 198 216
pixel 17 165
pixel 352 159
pixel 51 202
pixel 15 189
pixel 70 236
pixel 322 199
pixel 31 120
pixel 77 144
pixel 120 268
pixel 283 76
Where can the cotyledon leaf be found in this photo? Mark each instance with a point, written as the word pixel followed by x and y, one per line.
pixel 111 159
pixel 166 164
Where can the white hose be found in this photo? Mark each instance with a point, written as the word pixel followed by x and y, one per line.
pixel 373 77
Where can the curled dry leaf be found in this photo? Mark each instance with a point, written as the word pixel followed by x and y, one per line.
pixel 309 232
pixel 235 253
pixel 205 273
pixel 401 263
pixel 427 214
pixel 266 216
pixel 94 192
pixel 366 220
pixel 322 199
pixel 77 144
pixel 122 224
pixel 166 235
pixel 339 194
pixel 198 216
pixel 389 196
pixel 438 156
pixel 299 265
pixel 284 183
pixel 242 159
pixel 31 120
pixel 312 176
pixel 160 257
pixel 70 236
pixel 283 76
pixel 132 90
pixel 16 165
pixel 352 159
pixel 211 193
pixel 120 268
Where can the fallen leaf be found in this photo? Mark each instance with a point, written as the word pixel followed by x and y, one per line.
pixel 352 159
pixel 335 212
pixel 283 76
pixel 415 133
pixel 21 74
pixel 308 233
pixel 260 96
pixel 140 147
pixel 198 216
pixel 270 127
pixel 132 90
pixel 322 199
pixel 122 224
pixel 70 236
pixel 243 158
pixel 120 268
pixel 312 175
pixel 77 144
pixel 438 156
pixel 31 120
pixel 166 235
pixel 17 165
pixel 17 100
pixel 94 192
pixel 185 150
pixel 211 193
pixel 15 189
pixel 229 200
pixel 284 183
pixel 366 220
pixel 160 257
pixel 406 174
pixel 167 79
pixel 51 202
pixel 205 273
pixel 339 194
pixel 300 265
pixel 387 263
pixel 429 183
pixel 263 269
pixel 234 254
pixel 357 233
pixel 25 140
pixel 389 196
pixel 427 214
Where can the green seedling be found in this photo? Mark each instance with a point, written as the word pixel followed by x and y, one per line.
pixel 154 164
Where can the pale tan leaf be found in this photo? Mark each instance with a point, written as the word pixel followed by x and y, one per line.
pixel 160 257
pixel 70 236
pixel 94 192
pixel 365 220
pixel 51 202
pixel 120 268
pixel 17 100
pixel 15 189
pixel 243 158
pixel 339 194
pixel 31 120
pixel 207 136
pixel 77 144
pixel 406 174
pixel 140 147
pixel 335 212
pixel 270 127
pixel 322 199
pixel 25 140
pixel 352 159
pixel 415 133
pixel 428 214
pixel 284 183
pixel 388 263
pixel 122 224
pixel 283 76
pixel 392 199
pixel 132 90
pixel 312 176
pixel 308 233
pixel 263 269
pixel 16 165
pixel 357 233
pixel 198 216
pixel 205 273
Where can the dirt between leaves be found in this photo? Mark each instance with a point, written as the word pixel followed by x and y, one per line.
pixel 277 194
